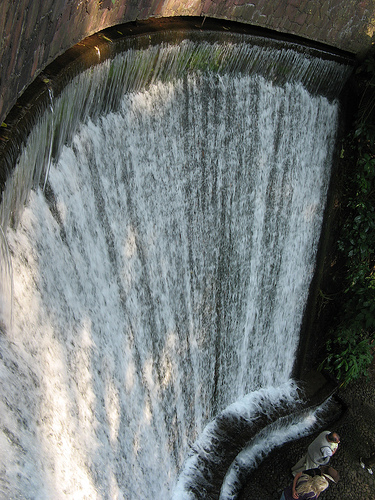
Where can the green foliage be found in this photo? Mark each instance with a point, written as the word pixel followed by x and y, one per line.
pixel 351 345
pixel 365 125
pixel 350 353
pixel 357 240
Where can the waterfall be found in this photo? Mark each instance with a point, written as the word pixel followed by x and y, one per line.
pixel 162 235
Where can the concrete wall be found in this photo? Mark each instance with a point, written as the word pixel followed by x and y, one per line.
pixel 34 32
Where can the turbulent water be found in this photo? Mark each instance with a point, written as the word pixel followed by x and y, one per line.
pixel 159 277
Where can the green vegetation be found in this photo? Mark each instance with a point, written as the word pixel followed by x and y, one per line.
pixel 351 344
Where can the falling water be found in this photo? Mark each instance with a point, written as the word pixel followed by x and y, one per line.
pixel 161 276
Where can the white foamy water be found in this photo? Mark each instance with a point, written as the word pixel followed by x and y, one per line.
pixel 161 277
pixel 271 437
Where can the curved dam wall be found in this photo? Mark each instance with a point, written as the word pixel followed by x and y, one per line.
pixel 34 33
pixel 174 425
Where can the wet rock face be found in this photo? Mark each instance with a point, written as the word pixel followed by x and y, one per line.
pixel 33 33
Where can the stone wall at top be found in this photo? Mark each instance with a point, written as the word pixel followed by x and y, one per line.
pixel 34 32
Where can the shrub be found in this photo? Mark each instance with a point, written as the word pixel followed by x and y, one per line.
pixel 350 348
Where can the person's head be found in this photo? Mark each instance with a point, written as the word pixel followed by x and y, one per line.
pixel 333 437
pixel 330 473
pixel 308 484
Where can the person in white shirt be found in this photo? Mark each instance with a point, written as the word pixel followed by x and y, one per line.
pixel 319 452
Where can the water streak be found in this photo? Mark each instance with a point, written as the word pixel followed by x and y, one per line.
pixel 161 275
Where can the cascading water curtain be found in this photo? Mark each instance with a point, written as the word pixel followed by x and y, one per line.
pixel 160 276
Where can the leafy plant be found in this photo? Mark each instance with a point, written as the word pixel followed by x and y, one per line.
pixel 349 355
pixel 350 348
